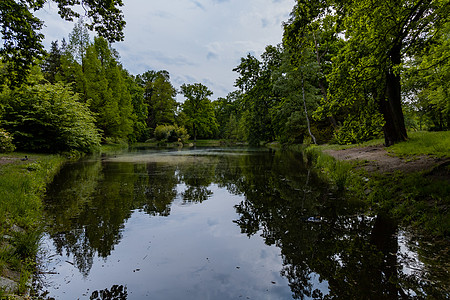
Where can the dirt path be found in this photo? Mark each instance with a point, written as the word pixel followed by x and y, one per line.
pixel 376 158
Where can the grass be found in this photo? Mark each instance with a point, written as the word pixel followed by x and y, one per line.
pixel 424 143
pixel 375 142
pixel 22 186
pixel 418 143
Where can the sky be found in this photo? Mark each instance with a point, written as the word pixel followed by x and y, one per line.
pixel 196 41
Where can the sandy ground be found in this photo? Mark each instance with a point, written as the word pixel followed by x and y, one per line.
pixel 376 158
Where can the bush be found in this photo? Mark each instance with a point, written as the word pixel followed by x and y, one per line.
pixel 49 118
pixel 171 133
pixel 6 144
pixel 359 130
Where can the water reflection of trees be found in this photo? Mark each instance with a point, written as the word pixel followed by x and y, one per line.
pixel 198 177
pixel 323 238
pixel 355 256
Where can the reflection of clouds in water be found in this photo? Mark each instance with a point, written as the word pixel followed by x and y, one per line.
pixel 407 256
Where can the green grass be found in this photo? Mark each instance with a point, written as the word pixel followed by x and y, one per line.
pixel 424 143
pixel 22 186
pixel 375 142
pixel 418 143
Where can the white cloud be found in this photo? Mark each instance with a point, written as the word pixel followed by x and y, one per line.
pixel 195 40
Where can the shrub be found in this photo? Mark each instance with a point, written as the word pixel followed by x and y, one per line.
pixel 6 144
pixel 49 118
pixel 361 129
pixel 171 133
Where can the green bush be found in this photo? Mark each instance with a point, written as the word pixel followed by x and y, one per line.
pixel 171 133
pixel 359 130
pixel 49 118
pixel 6 144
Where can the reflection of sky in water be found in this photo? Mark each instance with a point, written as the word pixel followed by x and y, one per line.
pixel 195 253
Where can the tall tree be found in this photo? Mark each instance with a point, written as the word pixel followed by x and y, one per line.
pixel 140 108
pixel 198 109
pixel 22 41
pixel 51 66
pixel 106 90
pixel 256 83
pixel 159 96
pixel 380 35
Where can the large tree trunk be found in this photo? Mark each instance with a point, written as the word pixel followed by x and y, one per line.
pixel 391 107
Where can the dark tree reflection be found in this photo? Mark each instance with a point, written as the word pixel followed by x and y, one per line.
pixel 197 176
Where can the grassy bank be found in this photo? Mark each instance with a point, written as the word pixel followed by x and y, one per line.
pixel 22 186
pixel 418 199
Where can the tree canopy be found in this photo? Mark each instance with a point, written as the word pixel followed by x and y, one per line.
pixel 22 41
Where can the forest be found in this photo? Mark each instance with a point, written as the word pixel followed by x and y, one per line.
pixel 345 72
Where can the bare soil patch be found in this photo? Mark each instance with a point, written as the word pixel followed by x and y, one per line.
pixel 377 159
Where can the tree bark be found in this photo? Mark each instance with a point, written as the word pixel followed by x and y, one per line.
pixel 306 113
pixel 391 106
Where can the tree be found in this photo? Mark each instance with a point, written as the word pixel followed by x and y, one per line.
pixel 79 40
pixel 377 37
pixel 140 108
pixel 22 42
pixel 51 66
pixel 427 82
pixel 228 112
pixel 159 96
pixel 198 109
pixel 106 91
pixel 256 83
pixel 380 35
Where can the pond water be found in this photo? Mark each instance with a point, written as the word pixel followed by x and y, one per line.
pixel 219 224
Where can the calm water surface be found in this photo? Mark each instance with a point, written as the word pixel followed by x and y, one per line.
pixel 219 224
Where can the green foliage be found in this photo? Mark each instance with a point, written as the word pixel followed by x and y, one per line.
pixel 199 111
pixel 22 41
pixel 171 133
pixel 258 96
pixel 426 80
pixel 6 144
pixel 363 127
pixel 106 91
pixel 159 97
pixel 228 112
pixel 140 109
pixel 51 65
pixel 49 118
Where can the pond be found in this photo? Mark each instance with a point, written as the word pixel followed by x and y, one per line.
pixel 219 224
